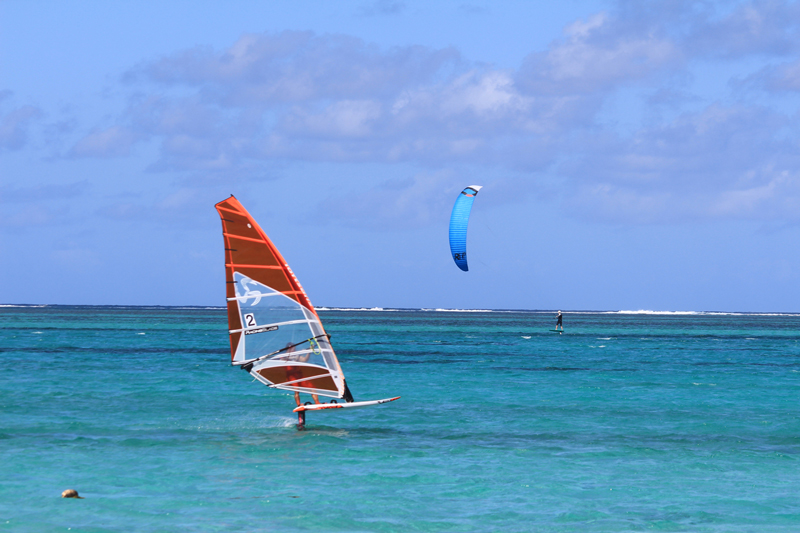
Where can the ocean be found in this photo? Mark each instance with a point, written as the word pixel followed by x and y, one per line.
pixel 626 422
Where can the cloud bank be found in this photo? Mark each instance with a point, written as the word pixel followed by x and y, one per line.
pixel 16 123
pixel 619 110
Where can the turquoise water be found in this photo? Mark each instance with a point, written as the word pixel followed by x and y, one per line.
pixel 624 423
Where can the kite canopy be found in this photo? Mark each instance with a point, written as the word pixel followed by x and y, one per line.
pixel 459 219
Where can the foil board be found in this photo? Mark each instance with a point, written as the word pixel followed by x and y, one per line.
pixel 351 405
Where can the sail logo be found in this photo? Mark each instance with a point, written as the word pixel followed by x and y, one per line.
pixel 248 292
pixel 460 257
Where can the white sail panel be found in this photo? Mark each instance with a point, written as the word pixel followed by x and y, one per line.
pixel 283 341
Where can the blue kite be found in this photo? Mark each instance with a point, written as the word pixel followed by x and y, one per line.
pixel 459 219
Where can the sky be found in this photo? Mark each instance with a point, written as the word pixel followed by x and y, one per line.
pixel 633 154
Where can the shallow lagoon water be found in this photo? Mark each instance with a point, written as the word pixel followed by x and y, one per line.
pixel 627 422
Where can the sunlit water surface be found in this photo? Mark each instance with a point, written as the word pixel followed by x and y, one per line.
pixel 624 423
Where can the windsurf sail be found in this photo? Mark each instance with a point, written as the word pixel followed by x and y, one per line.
pixel 275 332
pixel 459 220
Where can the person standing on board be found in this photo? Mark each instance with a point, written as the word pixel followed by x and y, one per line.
pixel 558 321
pixel 294 373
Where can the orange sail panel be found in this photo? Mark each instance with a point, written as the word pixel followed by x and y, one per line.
pixel 275 332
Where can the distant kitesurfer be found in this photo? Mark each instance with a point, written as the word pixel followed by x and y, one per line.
pixel 295 373
pixel 558 321
pixel 71 493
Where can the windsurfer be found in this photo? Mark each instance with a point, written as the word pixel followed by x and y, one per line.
pixel 558 321
pixel 295 373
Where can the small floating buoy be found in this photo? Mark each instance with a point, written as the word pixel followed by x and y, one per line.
pixel 71 493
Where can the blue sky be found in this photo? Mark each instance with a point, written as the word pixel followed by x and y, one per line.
pixel 634 154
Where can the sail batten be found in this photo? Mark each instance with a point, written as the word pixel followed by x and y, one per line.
pixel 287 383
pixel 239 298
pixel 242 237
pixel 274 267
pixel 275 332
pixel 260 327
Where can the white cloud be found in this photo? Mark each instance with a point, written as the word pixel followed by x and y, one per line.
pixel 114 141
pixel 298 96
pixel 784 77
pixel 41 193
pixel 722 162
pixel 488 95
pixel 597 55
pixel 295 67
pixel 345 118
pixel 736 30
pixel 383 7
pixel 14 126
pixel 409 203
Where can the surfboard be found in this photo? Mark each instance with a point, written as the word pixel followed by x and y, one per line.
pixel 351 405
pixel 558 330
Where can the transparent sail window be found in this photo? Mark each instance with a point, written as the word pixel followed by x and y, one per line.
pixel 273 322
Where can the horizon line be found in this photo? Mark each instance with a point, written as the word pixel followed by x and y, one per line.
pixel 427 309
